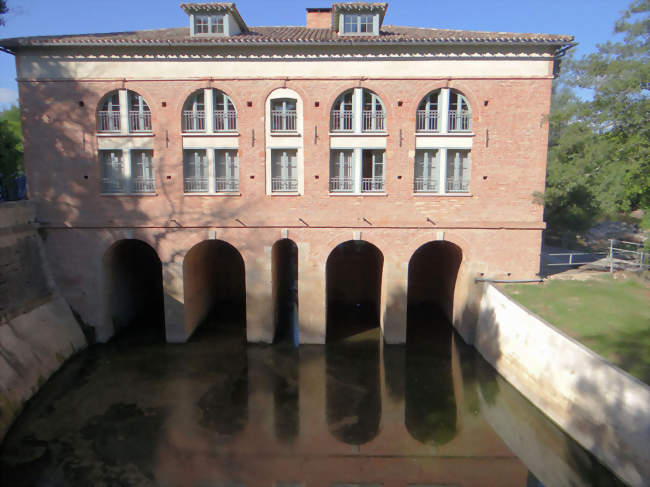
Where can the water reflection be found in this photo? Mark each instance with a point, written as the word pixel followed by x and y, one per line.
pixel 217 412
pixel 353 392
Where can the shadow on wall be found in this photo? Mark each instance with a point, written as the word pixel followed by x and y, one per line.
pixel 66 183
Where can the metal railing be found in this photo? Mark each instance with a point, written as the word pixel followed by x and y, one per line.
pixel 139 121
pixel 567 259
pixel 283 120
pixel 425 185
pixel 459 121
pixel 341 185
pixel 341 121
pixel 427 121
pixel 196 185
pixel 225 121
pixel 620 255
pixel 457 186
pixel 193 121
pixel 143 185
pixel 226 185
pixel 373 121
pixel 279 185
pixel 369 185
pixel 113 185
pixel 108 121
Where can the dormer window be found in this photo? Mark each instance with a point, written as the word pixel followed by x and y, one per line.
pixel 214 19
pixel 357 18
pixel 208 24
pixel 358 24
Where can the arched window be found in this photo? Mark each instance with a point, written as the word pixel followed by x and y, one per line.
pixel 194 113
pixel 139 113
pixel 108 115
pixel 283 115
pixel 133 107
pixel 341 115
pixel 460 115
pixel 428 112
pixel 225 115
pixel 444 110
pixel 358 110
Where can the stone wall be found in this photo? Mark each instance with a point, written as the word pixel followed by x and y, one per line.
pixel 603 408
pixel 37 329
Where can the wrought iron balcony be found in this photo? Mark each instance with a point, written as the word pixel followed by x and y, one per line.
pixel 341 185
pixel 282 185
pixel 341 121
pixel 143 185
pixel 225 185
pixel 108 121
pixel 370 185
pixel 196 185
pixel 427 121
pixel 283 120
pixel 225 121
pixel 193 121
pixel 457 186
pixel 114 185
pixel 425 185
pixel 139 121
pixel 460 121
pixel 373 121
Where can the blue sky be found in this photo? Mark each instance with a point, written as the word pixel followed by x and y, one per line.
pixel 590 21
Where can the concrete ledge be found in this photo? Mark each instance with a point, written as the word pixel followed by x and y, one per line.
pixel 602 407
pixel 32 347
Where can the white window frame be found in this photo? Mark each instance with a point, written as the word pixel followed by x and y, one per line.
pixel 199 181
pixel 351 24
pixel 229 181
pixel 289 178
pixel 211 24
pixel 124 162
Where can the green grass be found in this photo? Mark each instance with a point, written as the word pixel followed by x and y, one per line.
pixel 610 316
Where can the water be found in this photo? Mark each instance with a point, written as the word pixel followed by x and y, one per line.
pixel 216 412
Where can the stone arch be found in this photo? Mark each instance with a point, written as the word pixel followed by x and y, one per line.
pixel 133 286
pixel 214 288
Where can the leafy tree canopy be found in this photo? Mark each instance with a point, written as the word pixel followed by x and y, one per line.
pixel 3 10
pixel 599 149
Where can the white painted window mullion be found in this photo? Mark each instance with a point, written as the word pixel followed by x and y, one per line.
pixel 443 110
pixel 443 171
pixel 210 154
pixel 208 106
pixel 124 112
pixel 357 110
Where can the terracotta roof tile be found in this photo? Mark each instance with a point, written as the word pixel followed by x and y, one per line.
pixel 287 35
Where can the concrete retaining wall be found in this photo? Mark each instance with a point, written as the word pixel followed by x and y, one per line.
pixel 603 408
pixel 37 329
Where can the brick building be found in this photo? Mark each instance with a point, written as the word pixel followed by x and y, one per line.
pixel 344 171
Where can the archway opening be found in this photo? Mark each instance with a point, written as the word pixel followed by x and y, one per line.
pixel 432 273
pixel 353 288
pixel 215 289
pixel 285 291
pixel 134 287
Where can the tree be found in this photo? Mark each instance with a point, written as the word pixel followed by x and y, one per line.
pixel 599 149
pixel 3 10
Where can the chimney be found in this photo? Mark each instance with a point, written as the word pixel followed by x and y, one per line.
pixel 319 18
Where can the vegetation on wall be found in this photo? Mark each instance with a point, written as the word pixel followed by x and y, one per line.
pixel 11 149
pixel 599 143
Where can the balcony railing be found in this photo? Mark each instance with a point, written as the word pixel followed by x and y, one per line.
pixel 108 121
pixel 373 121
pixel 341 185
pixel 279 185
pixel 460 121
pixel 341 121
pixel 193 121
pixel 196 185
pixel 457 186
pixel 369 185
pixel 283 120
pixel 143 185
pixel 113 185
pixel 224 185
pixel 425 185
pixel 225 121
pixel 139 121
pixel 427 121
